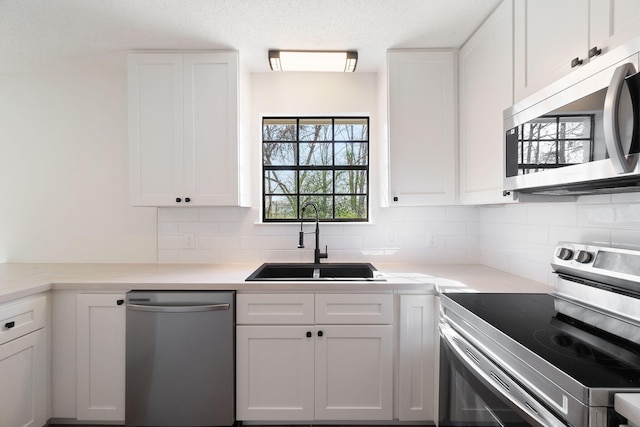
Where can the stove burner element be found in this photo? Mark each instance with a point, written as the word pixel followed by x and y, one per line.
pixel 570 346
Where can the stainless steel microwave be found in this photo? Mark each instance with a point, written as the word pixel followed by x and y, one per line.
pixel 581 140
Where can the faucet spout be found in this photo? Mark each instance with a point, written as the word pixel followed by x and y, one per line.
pixel 317 254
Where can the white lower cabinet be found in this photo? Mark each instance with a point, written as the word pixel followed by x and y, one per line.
pixel 100 357
pixel 274 373
pixel 354 372
pixel 417 359
pixel 23 379
pixel 314 371
pixel 23 364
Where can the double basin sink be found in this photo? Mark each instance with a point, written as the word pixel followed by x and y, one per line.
pixel 303 272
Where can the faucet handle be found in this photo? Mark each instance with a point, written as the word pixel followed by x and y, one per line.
pixel 325 254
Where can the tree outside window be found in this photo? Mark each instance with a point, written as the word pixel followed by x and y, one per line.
pixel 323 159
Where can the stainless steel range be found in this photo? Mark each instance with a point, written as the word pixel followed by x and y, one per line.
pixel 545 359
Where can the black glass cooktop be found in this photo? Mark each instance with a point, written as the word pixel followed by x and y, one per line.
pixel 593 357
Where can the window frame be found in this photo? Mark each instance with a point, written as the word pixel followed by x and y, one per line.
pixel 297 168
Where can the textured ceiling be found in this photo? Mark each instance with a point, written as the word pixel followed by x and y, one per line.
pixel 67 33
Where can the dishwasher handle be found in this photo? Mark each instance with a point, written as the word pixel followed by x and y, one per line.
pixel 178 308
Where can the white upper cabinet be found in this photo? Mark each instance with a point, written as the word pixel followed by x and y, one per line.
pixel 422 165
pixel 613 22
pixel 183 129
pixel 552 38
pixel 486 90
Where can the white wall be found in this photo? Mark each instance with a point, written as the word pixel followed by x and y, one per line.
pixel 228 235
pixel 63 170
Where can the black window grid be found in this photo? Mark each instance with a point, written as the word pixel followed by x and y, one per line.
pixel 303 196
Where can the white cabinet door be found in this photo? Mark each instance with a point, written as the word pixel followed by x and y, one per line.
pixel 613 22
pixel 274 373
pixel 486 90
pixel 416 383
pixel 354 378
pixel 548 35
pixel 156 135
pixel 183 129
pixel 100 357
pixel 422 127
pixel 211 128
pixel 23 381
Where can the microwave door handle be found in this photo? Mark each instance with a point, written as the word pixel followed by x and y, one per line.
pixel 610 119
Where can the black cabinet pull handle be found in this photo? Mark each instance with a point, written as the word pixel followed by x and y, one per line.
pixel 594 51
pixel 187 199
pixel 9 325
pixel 120 302
pixel 178 199
pixel 320 333
pixel 575 62
pixel 309 334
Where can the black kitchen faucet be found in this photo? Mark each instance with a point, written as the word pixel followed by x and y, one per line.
pixel 317 255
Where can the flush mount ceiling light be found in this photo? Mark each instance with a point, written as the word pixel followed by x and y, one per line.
pixel 309 60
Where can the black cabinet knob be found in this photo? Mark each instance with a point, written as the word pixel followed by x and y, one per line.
pixel 594 51
pixel 187 199
pixel 120 302
pixel 309 334
pixel 395 198
pixel 576 62
pixel 9 325
pixel 178 199
pixel 320 333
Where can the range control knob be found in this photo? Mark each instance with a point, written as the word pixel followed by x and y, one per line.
pixel 584 257
pixel 565 254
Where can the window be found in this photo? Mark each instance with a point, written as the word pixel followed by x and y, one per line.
pixel 555 141
pixel 323 159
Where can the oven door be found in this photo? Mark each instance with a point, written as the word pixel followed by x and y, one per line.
pixel 476 392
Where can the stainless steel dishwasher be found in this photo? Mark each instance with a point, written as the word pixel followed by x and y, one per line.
pixel 180 358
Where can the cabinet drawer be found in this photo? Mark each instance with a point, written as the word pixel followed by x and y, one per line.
pixel 274 309
pixel 20 318
pixel 354 309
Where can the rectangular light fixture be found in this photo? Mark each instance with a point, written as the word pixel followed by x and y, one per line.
pixel 310 60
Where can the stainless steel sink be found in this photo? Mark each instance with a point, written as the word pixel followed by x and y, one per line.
pixel 303 272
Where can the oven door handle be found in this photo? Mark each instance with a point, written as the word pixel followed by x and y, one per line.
pixel 496 379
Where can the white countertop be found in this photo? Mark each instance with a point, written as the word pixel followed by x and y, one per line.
pixel 628 405
pixel 19 280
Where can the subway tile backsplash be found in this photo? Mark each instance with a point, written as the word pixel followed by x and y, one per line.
pixel 517 238
pixel 235 235
pixel 520 238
